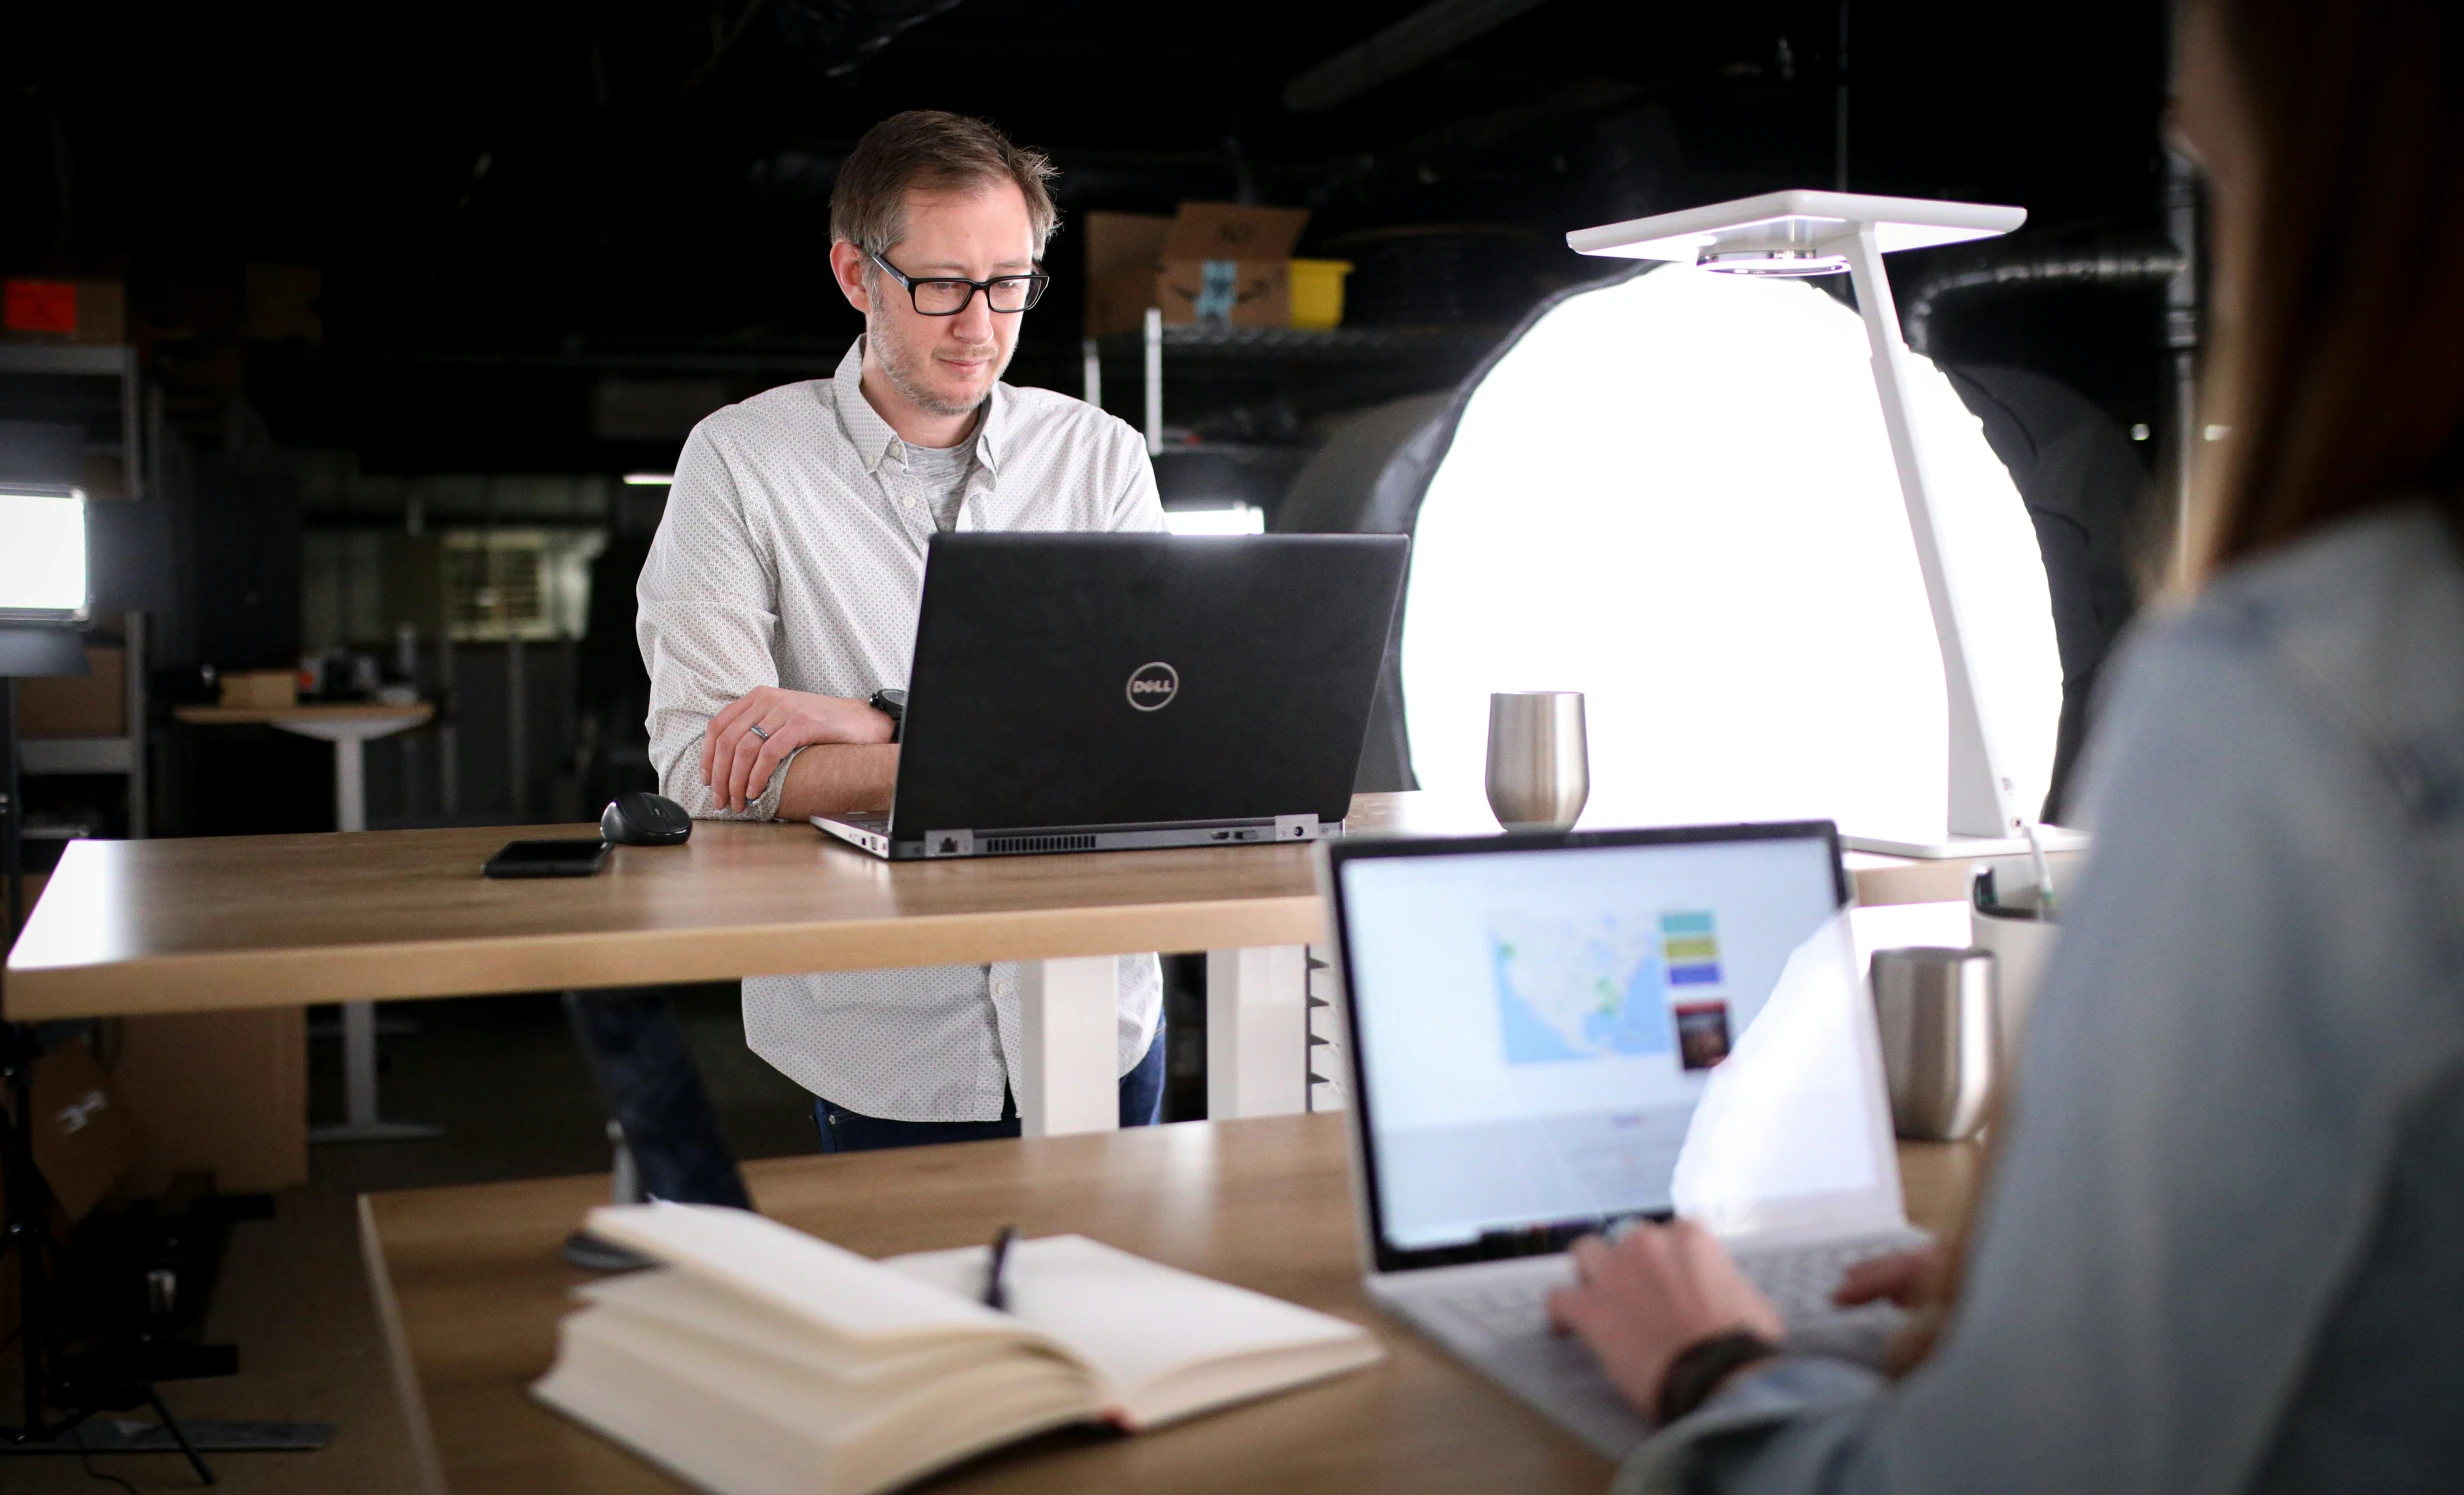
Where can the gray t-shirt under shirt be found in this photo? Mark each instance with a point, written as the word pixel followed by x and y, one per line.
pixel 939 474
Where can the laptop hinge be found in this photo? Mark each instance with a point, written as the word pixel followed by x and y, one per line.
pixel 949 843
pixel 1299 828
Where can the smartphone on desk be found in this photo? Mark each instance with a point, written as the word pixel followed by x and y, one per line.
pixel 546 859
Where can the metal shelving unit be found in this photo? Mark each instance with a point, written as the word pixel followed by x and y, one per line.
pixel 1455 348
pixel 124 754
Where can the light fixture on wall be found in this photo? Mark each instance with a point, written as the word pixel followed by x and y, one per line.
pixel 1801 233
pixel 43 555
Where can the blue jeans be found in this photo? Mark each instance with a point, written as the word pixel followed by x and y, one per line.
pixel 842 1130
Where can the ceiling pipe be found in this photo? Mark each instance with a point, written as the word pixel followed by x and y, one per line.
pixel 2129 267
pixel 1427 33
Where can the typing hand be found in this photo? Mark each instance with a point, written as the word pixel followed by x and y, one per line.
pixel 736 760
pixel 1896 1278
pixel 1643 1301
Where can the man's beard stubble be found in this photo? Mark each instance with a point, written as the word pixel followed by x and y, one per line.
pixel 902 366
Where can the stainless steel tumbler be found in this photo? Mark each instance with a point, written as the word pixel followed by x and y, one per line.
pixel 1539 761
pixel 1940 1039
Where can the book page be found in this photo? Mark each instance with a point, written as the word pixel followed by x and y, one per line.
pixel 1143 1325
pixel 824 1286
pixel 690 1307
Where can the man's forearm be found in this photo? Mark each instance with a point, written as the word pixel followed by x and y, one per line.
pixel 832 778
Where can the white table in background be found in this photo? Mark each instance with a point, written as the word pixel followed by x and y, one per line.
pixel 349 727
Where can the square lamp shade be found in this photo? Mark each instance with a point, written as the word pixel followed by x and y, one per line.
pixel 1795 233
pixel 43 555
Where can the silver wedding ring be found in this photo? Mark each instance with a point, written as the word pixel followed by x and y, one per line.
pixel 758 732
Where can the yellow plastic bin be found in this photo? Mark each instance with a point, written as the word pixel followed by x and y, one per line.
pixel 1317 293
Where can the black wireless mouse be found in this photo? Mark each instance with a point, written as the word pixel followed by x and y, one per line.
pixel 640 818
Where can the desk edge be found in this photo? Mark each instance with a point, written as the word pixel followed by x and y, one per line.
pixel 595 959
pixel 426 1466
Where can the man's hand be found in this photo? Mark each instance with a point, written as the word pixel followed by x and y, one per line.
pixel 737 762
pixel 1643 1301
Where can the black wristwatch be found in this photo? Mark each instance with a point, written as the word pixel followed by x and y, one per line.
pixel 892 704
pixel 1699 1369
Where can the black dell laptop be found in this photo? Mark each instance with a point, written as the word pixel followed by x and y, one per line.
pixel 1093 692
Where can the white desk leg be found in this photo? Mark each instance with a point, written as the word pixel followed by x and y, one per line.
pixel 359 1122
pixel 350 784
pixel 1257 1031
pixel 1070 1011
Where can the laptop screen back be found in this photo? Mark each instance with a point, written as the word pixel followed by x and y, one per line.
pixel 1536 1026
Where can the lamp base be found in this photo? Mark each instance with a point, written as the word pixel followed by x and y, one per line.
pixel 2050 837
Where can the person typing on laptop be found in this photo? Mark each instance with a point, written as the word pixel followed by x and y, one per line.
pixel 778 604
pixel 2222 1249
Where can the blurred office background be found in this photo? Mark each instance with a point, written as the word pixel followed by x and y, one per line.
pixel 391 323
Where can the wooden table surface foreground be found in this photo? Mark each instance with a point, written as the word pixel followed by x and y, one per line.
pixel 470 1285
pixel 214 923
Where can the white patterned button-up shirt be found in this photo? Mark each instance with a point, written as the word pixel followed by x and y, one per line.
pixel 792 554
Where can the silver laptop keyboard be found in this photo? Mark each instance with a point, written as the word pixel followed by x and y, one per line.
pixel 1799 1283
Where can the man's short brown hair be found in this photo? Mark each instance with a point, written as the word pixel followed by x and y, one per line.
pixel 939 152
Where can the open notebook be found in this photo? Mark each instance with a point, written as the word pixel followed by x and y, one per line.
pixel 762 1361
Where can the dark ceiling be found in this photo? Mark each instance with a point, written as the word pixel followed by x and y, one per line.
pixel 509 199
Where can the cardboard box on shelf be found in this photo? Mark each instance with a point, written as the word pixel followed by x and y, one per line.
pixel 92 705
pixel 76 311
pixel 1229 263
pixel 1123 252
pixel 1219 262
pixel 261 690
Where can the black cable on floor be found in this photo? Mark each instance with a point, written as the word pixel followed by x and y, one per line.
pixel 87 1459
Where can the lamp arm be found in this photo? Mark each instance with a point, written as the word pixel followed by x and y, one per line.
pixel 1981 794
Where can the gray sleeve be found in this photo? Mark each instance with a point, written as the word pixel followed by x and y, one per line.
pixel 2187 1173
pixel 708 613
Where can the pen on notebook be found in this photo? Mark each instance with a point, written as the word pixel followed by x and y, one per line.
pixel 996 1288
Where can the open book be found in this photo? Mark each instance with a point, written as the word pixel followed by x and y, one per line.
pixel 761 1361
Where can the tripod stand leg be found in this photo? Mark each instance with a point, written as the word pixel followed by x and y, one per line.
pixel 25 1218
pixel 171 1425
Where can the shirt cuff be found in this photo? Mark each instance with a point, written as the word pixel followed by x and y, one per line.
pixel 766 806
pixel 1755 1405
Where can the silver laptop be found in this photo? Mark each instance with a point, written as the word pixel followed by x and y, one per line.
pixel 1552 1034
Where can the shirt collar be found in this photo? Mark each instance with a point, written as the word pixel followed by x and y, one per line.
pixel 871 435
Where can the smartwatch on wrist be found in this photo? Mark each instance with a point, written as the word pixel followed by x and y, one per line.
pixel 892 704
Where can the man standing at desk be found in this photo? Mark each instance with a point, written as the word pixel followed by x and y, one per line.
pixel 782 589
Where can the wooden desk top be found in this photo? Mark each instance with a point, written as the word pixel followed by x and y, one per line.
pixel 470 1287
pixel 315 711
pixel 213 923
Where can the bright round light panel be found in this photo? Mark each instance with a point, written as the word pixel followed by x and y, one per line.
pixel 1676 496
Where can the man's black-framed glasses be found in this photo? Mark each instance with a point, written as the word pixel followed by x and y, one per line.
pixel 946 296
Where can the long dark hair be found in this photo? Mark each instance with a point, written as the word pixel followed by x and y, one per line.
pixel 2343 377
pixel 2343 382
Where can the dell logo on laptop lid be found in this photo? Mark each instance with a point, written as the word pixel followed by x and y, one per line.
pixel 1152 686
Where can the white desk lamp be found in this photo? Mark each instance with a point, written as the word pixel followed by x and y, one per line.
pixel 1824 233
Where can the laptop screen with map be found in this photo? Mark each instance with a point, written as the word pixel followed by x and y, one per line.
pixel 1535 1022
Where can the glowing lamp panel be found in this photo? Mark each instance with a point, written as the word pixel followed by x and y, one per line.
pixel 1676 495
pixel 42 554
